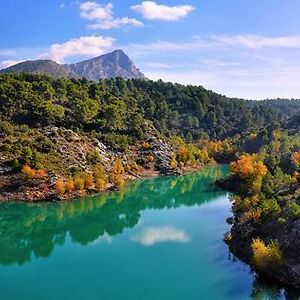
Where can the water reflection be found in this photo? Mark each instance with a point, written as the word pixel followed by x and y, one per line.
pixel 153 235
pixel 34 230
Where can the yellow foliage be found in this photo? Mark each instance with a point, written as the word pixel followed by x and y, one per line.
pixel 101 184
pixel 117 173
pixel 60 186
pixel 79 183
pixel 174 163
pixel 266 257
pixel 150 158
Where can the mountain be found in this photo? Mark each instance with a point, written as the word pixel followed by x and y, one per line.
pixel 39 66
pixel 111 65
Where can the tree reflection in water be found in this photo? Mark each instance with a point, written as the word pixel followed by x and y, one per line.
pixel 34 230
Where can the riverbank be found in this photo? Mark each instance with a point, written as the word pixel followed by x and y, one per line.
pixel 59 164
pixel 17 189
pixel 265 232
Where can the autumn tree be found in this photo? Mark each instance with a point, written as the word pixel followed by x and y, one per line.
pixel 117 173
pixel 251 171
pixel 60 186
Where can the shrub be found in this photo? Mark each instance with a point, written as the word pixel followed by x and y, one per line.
pixel 40 173
pixel 294 210
pixel 60 186
pixel 6 128
pixel 266 257
pixel 101 184
pixel 69 186
pixel 100 178
pixel 117 173
pixel 88 180
pixel 79 182
pixel 28 172
pixel 270 208
pixel 174 163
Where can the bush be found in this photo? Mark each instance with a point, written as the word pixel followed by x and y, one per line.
pixel 69 186
pixel 100 178
pixel 270 208
pixel 266 257
pixel 101 184
pixel 294 210
pixel 28 172
pixel 40 173
pixel 88 180
pixel 117 173
pixel 60 186
pixel 79 183
pixel 6 128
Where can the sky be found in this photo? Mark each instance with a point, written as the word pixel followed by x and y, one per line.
pixel 239 48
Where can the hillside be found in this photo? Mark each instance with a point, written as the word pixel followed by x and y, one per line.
pixel 48 67
pixel 67 127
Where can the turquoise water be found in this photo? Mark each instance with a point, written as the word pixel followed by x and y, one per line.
pixel 161 238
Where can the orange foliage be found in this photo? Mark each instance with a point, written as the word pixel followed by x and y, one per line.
pixel 183 153
pixel 146 145
pixel 296 158
pixel 69 186
pixel 28 172
pixel 248 166
pixel 88 181
pixel 40 173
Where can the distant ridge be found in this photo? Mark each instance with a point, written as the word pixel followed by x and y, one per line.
pixel 48 67
pixel 111 65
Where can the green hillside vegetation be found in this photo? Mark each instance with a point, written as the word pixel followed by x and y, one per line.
pixel 120 107
pixel 40 67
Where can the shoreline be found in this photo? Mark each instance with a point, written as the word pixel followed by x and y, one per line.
pixel 241 235
pixel 47 194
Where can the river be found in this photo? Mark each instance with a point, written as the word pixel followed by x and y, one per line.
pixel 160 238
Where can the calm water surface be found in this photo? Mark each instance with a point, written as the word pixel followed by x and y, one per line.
pixel 161 238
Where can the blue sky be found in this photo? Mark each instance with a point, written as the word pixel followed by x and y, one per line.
pixel 248 49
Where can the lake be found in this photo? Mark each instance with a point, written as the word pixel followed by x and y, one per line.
pixel 160 238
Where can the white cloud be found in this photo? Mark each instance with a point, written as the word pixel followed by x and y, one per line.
pixel 83 46
pixel 257 41
pixel 102 16
pixel 153 235
pixel 153 11
pixel 8 63
pixel 116 23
